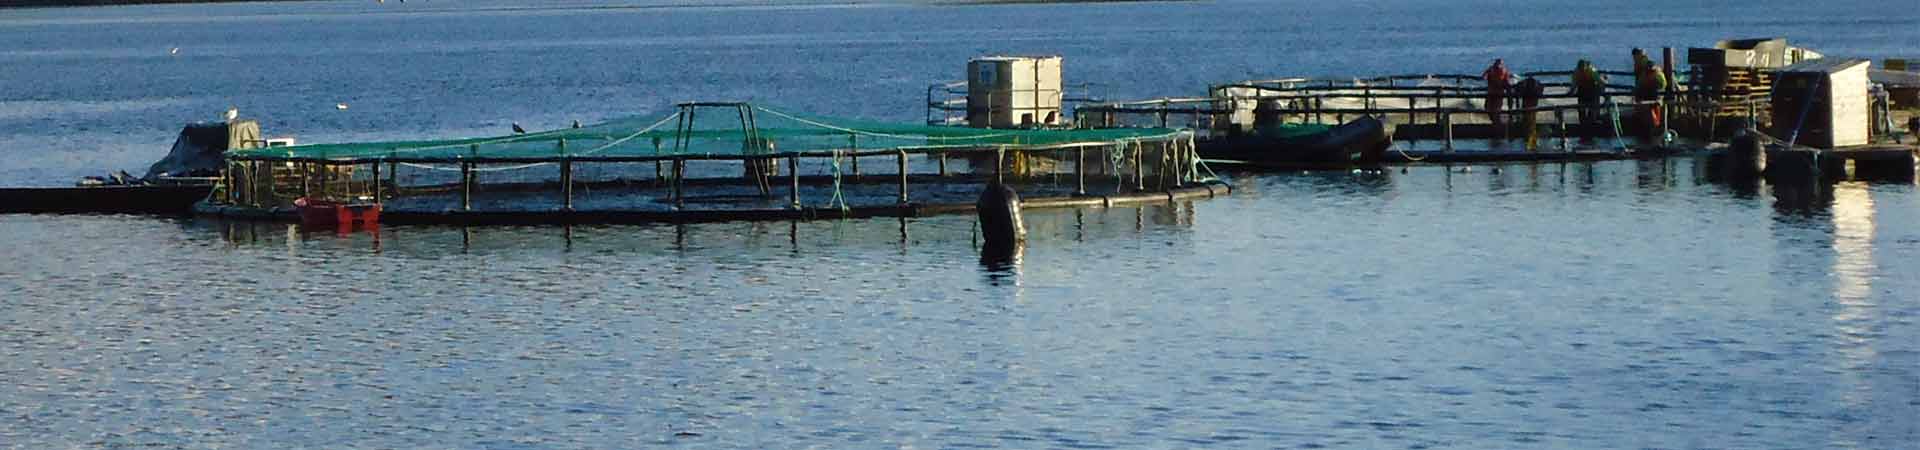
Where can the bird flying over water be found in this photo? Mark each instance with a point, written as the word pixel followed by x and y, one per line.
pixel 517 129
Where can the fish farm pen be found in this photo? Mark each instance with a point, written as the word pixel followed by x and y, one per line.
pixel 716 161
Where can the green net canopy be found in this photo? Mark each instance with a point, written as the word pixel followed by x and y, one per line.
pixel 711 131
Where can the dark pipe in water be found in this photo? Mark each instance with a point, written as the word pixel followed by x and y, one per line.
pixel 1000 221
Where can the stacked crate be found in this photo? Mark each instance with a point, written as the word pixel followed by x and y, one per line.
pixel 1741 86
pixel 1742 72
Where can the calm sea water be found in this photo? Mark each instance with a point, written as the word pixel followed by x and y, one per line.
pixel 1609 305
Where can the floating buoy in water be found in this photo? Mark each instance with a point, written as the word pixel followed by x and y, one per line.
pixel 1000 221
pixel 1746 155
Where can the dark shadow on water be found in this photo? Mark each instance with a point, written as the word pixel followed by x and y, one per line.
pixel 1741 186
pixel 1743 182
pixel 1653 175
pixel 1359 182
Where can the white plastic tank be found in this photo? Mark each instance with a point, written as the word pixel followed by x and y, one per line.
pixel 1013 92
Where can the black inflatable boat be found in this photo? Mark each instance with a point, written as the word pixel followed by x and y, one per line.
pixel 1359 142
pixel 171 186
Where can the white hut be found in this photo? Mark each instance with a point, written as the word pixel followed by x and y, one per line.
pixel 1823 103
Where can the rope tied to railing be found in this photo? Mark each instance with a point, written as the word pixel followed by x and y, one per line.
pixel 475 169
pixel 837 200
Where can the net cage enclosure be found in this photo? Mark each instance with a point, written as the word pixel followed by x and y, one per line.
pixel 717 160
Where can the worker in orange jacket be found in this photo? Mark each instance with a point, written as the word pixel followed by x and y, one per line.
pixel 1499 80
pixel 1649 82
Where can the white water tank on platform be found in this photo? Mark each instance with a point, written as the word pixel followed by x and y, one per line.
pixel 1013 91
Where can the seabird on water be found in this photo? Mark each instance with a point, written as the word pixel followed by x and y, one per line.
pixel 233 113
pixel 340 106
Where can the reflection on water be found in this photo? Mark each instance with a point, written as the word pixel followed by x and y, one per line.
pixel 1655 175
pixel 1542 305
pixel 1853 226
pixel 1002 262
pixel 1079 224
pixel 1854 314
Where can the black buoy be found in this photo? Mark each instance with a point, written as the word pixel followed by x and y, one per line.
pixel 1744 155
pixel 1000 222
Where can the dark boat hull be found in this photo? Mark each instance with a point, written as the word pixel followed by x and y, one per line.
pixel 1360 142
pixel 157 199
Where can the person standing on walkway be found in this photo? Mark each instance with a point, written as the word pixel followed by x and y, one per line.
pixel 1498 81
pixel 1530 90
pixel 1588 85
pixel 1649 81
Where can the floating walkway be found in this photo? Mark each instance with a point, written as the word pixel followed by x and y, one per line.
pixel 1446 114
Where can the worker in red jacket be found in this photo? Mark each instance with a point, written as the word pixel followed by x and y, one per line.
pixel 1498 81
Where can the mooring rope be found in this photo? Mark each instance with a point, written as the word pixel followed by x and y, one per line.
pixel 507 139
pixel 1813 163
pixel 663 121
pixel 533 136
pixel 1404 154
pixel 475 169
pixel 1198 162
pixel 1618 139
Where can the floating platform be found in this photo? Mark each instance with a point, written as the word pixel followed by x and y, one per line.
pixel 154 199
pixel 1399 155
pixel 1864 162
pixel 1432 132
